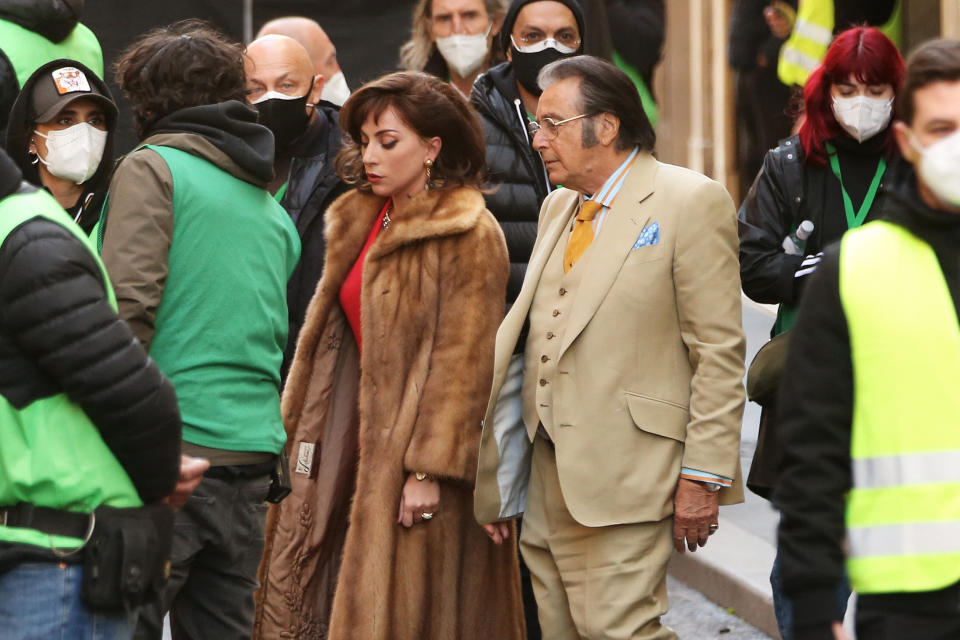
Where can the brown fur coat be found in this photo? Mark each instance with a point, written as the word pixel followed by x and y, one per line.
pixel 431 300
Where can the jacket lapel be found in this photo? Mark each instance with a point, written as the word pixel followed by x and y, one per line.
pixel 606 254
pixel 566 205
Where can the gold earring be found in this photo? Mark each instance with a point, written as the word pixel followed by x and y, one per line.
pixel 428 164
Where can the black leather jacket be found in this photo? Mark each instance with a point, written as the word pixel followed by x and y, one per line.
pixel 515 169
pixel 787 191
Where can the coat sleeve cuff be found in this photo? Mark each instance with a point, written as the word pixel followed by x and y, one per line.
pixel 705 476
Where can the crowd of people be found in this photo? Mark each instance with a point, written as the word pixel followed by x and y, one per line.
pixel 454 355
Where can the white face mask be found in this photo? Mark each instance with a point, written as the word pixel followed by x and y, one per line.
pixel 862 117
pixel 464 53
pixel 74 153
pixel 275 95
pixel 335 89
pixel 939 167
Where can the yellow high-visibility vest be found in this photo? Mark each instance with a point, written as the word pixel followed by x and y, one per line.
pixel 812 34
pixel 903 512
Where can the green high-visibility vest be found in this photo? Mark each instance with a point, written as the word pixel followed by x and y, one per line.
pixel 51 454
pixel 903 512
pixel 220 343
pixel 28 51
pixel 812 34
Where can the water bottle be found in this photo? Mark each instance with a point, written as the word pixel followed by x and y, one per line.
pixel 795 243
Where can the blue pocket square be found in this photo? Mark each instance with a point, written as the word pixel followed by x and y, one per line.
pixel 649 236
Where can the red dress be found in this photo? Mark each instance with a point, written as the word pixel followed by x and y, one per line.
pixel 353 284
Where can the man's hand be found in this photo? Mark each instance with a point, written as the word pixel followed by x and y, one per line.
pixel 191 473
pixel 498 531
pixel 838 632
pixel 695 508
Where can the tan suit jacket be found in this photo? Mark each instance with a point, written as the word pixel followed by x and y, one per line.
pixel 651 361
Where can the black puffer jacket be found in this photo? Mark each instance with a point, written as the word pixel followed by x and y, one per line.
pixel 58 334
pixel 516 171
pixel 53 19
pixel 311 186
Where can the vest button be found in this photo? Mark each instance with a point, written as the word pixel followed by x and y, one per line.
pixel 556 312
pixel 544 359
pixel 550 335
pixel 543 382
pixel 563 291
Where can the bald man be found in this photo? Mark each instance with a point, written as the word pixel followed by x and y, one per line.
pixel 283 86
pixel 323 55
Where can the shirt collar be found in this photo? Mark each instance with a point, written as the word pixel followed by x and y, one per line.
pixel 612 186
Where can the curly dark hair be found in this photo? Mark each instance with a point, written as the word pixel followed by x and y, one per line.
pixel 429 106
pixel 186 64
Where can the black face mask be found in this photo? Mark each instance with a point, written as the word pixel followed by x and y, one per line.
pixel 286 118
pixel 526 66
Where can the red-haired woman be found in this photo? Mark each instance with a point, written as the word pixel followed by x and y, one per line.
pixel 831 174
pixel 388 387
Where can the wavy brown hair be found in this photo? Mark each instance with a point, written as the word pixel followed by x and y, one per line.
pixel 186 64
pixel 429 106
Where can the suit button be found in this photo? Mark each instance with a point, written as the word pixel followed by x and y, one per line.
pixel 544 359
pixel 556 312
pixel 563 291
pixel 550 335
pixel 543 382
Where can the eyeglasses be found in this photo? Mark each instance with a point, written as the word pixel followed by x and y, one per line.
pixel 564 42
pixel 551 127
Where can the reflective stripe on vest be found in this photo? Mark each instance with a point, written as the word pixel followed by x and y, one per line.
pixel 28 51
pixel 808 42
pixel 812 34
pixel 903 512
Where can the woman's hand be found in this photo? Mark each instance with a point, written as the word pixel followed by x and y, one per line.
pixel 418 497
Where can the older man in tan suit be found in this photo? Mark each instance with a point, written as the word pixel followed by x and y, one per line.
pixel 631 394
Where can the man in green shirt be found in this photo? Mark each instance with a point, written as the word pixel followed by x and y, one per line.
pixel 200 254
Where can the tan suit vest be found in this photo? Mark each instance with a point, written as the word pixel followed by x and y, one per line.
pixel 548 322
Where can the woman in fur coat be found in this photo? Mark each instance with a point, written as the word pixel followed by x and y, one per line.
pixel 388 388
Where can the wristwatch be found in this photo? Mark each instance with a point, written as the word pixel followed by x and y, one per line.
pixel 712 487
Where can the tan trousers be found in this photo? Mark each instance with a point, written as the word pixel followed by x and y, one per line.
pixel 592 582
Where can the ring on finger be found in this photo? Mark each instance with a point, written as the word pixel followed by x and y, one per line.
pixel 426 516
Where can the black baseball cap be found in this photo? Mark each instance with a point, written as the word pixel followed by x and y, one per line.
pixel 60 87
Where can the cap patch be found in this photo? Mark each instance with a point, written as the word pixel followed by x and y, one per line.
pixel 70 80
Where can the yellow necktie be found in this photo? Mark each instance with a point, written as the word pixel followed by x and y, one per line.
pixel 582 234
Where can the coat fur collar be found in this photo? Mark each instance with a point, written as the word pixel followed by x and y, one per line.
pixel 431 214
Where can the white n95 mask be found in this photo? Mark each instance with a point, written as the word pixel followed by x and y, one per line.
pixel 74 153
pixel 465 53
pixel 862 117
pixel 939 167
pixel 335 89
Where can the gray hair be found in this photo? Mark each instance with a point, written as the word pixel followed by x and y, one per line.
pixel 605 89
